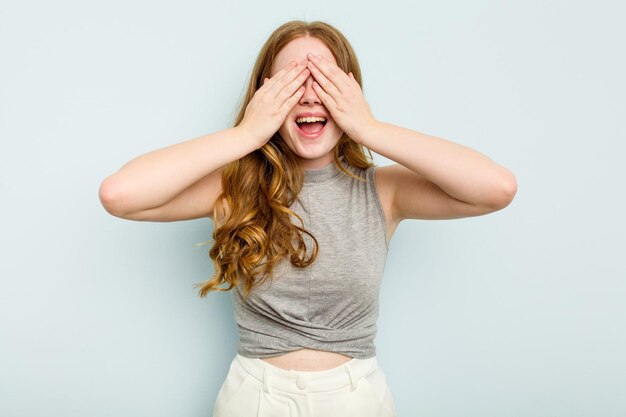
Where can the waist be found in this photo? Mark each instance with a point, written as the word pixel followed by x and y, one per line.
pixel 294 381
pixel 262 337
pixel 308 360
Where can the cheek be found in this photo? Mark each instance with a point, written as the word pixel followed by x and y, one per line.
pixel 285 132
pixel 285 127
pixel 336 128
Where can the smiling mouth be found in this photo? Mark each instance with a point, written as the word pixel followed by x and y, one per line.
pixel 312 127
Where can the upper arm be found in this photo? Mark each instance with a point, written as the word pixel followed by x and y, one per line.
pixel 194 202
pixel 409 195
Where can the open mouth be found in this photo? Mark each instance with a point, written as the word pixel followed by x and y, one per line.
pixel 311 126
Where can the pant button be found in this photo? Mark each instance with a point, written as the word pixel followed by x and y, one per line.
pixel 301 382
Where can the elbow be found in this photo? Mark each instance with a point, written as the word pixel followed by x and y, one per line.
pixel 505 191
pixel 112 197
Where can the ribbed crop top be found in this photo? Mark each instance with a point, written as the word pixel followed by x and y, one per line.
pixel 333 303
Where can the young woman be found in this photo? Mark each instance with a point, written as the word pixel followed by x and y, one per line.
pixel 303 219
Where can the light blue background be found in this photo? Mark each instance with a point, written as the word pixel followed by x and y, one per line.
pixel 518 313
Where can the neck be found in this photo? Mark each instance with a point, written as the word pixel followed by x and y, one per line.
pixel 308 164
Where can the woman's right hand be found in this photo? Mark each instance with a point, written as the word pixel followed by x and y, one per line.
pixel 271 103
pixel 182 181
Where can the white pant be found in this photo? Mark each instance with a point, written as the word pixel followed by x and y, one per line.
pixel 255 388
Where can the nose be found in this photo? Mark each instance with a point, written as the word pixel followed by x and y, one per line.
pixel 309 96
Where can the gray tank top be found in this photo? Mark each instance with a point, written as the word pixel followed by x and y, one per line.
pixel 333 303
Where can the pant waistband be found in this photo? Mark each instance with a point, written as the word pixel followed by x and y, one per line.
pixel 345 375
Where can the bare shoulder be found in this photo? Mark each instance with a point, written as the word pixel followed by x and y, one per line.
pixel 409 195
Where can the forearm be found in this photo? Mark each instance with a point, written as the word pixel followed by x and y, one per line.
pixel 461 172
pixel 154 178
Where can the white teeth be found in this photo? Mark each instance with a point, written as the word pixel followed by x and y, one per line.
pixel 310 119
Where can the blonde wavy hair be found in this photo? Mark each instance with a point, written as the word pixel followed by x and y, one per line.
pixel 260 187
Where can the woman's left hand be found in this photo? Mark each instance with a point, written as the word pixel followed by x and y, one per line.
pixel 341 94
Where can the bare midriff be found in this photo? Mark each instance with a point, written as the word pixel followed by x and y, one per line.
pixel 308 360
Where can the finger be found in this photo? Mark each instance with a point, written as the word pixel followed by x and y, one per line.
pixel 287 78
pixel 274 78
pixel 326 98
pixel 293 86
pixel 291 101
pixel 324 82
pixel 332 72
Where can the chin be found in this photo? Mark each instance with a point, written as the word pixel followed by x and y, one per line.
pixel 315 146
pixel 313 154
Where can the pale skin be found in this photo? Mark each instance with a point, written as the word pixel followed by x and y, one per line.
pixel 432 178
